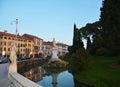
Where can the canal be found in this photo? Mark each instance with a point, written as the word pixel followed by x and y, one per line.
pixel 51 77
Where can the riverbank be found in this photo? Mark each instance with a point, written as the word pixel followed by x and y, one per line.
pixel 26 65
pixel 101 72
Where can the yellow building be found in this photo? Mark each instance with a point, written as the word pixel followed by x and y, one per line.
pixel 38 44
pixel 24 45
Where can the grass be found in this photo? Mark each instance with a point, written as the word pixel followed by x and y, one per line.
pixel 99 72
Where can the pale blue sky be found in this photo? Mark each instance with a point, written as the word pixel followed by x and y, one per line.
pixel 48 19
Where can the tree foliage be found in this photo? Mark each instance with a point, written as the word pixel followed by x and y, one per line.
pixel 77 40
pixel 110 23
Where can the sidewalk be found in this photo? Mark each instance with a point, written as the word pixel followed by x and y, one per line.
pixel 4 82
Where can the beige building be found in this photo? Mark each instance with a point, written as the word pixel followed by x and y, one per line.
pixel 24 45
pixel 38 44
pixel 62 48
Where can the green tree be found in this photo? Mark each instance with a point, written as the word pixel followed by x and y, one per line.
pixel 77 40
pixel 110 23
pixel 90 32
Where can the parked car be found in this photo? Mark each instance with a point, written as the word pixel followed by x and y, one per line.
pixel 3 60
pixel 23 58
pixel 27 57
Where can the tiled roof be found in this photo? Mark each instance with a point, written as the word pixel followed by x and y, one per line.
pixel 48 43
pixel 31 36
pixel 61 44
pixel 13 35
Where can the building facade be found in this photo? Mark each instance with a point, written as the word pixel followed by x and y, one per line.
pixel 29 45
pixel 22 43
pixel 62 48
pixel 37 44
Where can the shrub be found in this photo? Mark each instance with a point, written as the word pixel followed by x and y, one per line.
pixel 119 60
pixel 101 51
pixel 81 59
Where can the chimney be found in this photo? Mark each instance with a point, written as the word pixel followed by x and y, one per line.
pixel 5 31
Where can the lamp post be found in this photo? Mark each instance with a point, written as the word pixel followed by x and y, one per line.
pixel 16 32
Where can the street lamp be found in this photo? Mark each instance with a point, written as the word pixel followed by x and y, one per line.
pixel 16 22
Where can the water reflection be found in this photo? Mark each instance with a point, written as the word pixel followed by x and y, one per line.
pixel 52 77
pixel 35 74
pixel 63 79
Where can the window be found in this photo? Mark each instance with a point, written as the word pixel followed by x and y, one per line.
pixel 0 49
pixel 4 49
pixel 9 38
pixel 1 37
pixel 8 49
pixel 5 37
pixel 4 43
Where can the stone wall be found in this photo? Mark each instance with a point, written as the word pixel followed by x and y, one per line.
pixel 18 80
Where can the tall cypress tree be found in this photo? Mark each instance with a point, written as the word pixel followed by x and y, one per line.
pixel 110 23
pixel 77 39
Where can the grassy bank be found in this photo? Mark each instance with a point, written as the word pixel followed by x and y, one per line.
pixel 102 72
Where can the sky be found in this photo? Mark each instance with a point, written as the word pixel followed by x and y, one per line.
pixel 48 19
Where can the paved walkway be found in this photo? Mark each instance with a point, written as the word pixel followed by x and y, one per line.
pixel 4 82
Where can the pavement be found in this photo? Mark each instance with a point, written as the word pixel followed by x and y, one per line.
pixel 4 81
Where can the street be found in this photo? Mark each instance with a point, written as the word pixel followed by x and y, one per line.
pixel 4 82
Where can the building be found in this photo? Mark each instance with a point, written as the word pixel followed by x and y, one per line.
pixel 47 48
pixel 38 44
pixel 22 43
pixel 61 48
pixel 29 45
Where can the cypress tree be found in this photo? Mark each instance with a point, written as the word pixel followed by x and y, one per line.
pixel 77 40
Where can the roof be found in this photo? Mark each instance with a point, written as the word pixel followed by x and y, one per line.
pixel 13 35
pixel 31 36
pixel 10 35
pixel 48 43
pixel 61 44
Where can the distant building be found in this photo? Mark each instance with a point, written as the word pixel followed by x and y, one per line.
pixel 29 45
pixel 47 48
pixel 38 44
pixel 61 48
pixel 22 43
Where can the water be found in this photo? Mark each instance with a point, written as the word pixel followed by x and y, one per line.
pixel 51 77
pixel 64 79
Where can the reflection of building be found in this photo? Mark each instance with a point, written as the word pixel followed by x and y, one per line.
pixel 22 44
pixel 38 44
pixel 35 74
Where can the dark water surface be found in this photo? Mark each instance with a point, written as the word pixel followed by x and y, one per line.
pixel 64 79
pixel 51 77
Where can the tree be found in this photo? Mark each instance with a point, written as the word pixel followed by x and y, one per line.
pixel 90 32
pixel 77 40
pixel 110 23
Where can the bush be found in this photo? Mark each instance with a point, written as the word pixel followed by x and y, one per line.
pixel 119 60
pixel 101 51
pixel 81 59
